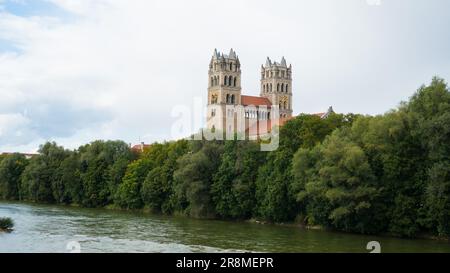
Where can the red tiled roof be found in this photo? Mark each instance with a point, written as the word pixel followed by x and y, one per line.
pixel 140 147
pixel 256 101
pixel 259 128
pixel 319 114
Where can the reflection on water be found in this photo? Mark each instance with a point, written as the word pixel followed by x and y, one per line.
pixel 43 228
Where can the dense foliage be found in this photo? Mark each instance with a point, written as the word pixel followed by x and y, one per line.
pixel 365 174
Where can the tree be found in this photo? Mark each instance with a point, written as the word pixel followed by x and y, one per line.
pixel 102 164
pixel 233 188
pixel 69 177
pixel 340 187
pixel 39 181
pixel 193 178
pixel 11 168
pixel 157 184
pixel 276 200
pixel 429 111
pixel 128 194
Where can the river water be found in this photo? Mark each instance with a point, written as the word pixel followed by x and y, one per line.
pixel 47 228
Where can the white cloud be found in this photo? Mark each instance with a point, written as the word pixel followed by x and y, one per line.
pixel 115 69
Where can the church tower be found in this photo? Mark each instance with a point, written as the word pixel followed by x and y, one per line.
pixel 224 88
pixel 224 79
pixel 276 85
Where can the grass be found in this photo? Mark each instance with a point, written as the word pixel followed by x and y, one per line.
pixel 6 224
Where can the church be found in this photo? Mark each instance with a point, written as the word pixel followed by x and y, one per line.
pixel 230 111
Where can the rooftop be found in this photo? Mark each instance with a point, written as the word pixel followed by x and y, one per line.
pixel 256 101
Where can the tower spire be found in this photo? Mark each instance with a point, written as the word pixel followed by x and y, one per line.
pixel 283 62
pixel 232 54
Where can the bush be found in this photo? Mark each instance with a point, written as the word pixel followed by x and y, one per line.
pixel 6 224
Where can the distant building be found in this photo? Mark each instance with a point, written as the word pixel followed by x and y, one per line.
pixel 325 114
pixel 27 155
pixel 140 148
pixel 230 111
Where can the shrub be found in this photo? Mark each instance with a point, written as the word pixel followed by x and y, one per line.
pixel 6 224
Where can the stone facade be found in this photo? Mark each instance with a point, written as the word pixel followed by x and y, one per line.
pixel 230 111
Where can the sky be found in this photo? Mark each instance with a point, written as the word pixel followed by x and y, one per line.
pixel 74 71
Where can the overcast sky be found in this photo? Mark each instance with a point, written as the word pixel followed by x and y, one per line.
pixel 74 71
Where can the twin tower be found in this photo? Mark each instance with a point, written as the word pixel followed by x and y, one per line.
pixel 225 91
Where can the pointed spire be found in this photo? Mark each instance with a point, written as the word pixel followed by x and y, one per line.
pixel 268 62
pixel 283 62
pixel 215 53
pixel 232 54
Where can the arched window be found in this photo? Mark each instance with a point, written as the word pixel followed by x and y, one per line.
pixel 231 66
pixel 278 87
pixel 235 81
pixel 287 88
pixel 228 98
pixel 232 99
pixel 225 81
pixel 282 87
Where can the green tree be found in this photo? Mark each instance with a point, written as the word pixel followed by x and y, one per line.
pixel 339 185
pixel 11 168
pixel 69 180
pixel 128 194
pixel 275 183
pixel 233 188
pixel 100 170
pixel 429 111
pixel 194 176
pixel 39 181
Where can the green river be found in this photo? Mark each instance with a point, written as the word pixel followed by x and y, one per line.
pixel 46 228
